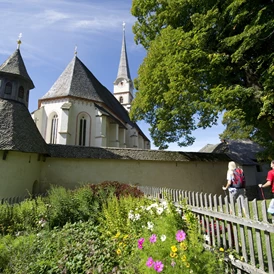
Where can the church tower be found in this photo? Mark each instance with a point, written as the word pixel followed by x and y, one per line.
pixel 123 86
pixel 15 82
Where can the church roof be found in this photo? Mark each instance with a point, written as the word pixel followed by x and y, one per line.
pixel 17 129
pixel 15 65
pixel 78 81
pixel 123 70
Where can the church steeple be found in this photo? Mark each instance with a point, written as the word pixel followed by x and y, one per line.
pixel 15 82
pixel 123 86
pixel 123 70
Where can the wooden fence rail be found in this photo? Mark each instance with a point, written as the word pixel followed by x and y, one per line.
pixel 245 229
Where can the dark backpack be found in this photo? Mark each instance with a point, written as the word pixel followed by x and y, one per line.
pixel 238 178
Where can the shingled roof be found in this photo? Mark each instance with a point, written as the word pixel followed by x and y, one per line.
pixel 77 81
pixel 15 65
pixel 18 131
pixel 65 151
pixel 243 151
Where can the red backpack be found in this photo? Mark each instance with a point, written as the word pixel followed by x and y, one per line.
pixel 238 178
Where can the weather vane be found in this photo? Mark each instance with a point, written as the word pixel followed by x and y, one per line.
pixel 75 51
pixel 19 41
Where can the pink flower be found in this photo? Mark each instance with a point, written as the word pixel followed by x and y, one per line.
pixel 153 238
pixel 149 262
pixel 180 235
pixel 173 263
pixel 141 241
pixel 158 266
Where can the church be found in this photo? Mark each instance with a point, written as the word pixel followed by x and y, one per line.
pixel 81 133
pixel 79 110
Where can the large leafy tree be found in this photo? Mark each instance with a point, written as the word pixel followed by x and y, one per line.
pixel 204 58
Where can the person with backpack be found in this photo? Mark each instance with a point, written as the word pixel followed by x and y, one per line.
pixel 270 182
pixel 235 183
pixel 269 178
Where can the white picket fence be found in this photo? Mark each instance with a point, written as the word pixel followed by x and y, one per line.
pixel 225 225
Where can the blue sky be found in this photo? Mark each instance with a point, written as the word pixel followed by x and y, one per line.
pixel 50 31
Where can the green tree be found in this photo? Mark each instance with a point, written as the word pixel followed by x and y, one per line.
pixel 204 58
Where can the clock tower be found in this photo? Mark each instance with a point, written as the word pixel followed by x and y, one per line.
pixel 123 85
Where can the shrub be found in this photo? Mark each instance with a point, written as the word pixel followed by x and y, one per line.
pixel 109 188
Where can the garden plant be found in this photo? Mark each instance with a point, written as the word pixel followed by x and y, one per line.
pixel 105 228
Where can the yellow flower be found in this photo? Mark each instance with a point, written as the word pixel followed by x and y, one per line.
pixel 125 237
pixel 120 244
pixel 221 249
pixel 118 251
pixel 117 235
pixel 174 248
pixel 187 264
pixel 183 245
pixel 173 254
pixel 183 258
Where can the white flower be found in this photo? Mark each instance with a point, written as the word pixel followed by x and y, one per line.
pixel 231 257
pixel 164 204
pixel 178 210
pixel 160 210
pixel 150 225
pixel 137 216
pixel 131 216
pixel 154 205
pixel 163 238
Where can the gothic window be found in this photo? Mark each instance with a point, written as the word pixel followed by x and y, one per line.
pixel 8 88
pixel 121 99
pixel 82 131
pixel 54 128
pixel 21 92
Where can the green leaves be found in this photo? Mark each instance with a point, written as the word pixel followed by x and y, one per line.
pixel 203 58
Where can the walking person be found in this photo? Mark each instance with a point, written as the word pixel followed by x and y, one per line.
pixel 235 184
pixel 270 182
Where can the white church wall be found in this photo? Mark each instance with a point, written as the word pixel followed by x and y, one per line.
pixel 195 176
pixel 19 172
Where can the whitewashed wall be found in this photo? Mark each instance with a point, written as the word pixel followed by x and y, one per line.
pixel 19 171
pixel 196 176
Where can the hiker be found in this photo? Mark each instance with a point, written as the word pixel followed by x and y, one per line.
pixel 235 183
pixel 270 182
pixel 269 179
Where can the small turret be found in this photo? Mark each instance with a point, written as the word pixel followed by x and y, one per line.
pixel 15 82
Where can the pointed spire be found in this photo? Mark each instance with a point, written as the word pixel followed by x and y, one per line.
pixel 15 65
pixel 123 70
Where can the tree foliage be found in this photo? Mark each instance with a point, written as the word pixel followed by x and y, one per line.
pixel 204 58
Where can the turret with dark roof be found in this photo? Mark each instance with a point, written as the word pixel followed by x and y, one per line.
pixel 15 82
pixel 18 131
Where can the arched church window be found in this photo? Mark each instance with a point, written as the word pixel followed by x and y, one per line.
pixel 8 88
pixel 121 99
pixel 82 131
pixel 54 128
pixel 21 92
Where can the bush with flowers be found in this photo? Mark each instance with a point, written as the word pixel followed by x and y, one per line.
pixel 170 242
pixel 162 237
